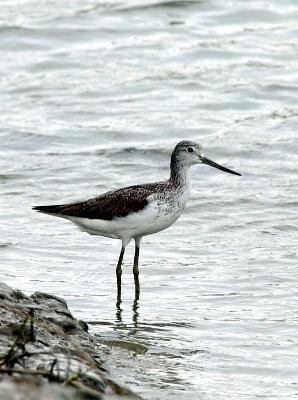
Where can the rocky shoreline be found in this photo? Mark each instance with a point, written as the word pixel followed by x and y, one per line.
pixel 46 354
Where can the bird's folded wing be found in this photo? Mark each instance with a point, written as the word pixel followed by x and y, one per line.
pixel 114 204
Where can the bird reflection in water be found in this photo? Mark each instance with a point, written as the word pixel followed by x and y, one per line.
pixel 135 315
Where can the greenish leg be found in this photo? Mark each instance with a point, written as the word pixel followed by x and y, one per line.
pixel 136 270
pixel 118 274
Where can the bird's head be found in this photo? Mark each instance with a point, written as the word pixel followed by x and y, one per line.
pixel 187 153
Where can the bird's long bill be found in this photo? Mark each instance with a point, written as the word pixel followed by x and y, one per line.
pixel 213 164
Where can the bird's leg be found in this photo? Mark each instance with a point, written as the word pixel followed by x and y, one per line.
pixel 136 270
pixel 118 274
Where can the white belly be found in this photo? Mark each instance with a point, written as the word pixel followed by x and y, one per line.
pixel 154 218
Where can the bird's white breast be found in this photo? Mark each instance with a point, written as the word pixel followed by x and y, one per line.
pixel 162 211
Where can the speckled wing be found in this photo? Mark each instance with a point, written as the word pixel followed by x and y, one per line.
pixel 107 206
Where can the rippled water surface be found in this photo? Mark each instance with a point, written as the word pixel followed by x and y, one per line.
pixel 94 95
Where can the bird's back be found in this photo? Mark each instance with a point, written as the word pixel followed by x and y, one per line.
pixel 110 205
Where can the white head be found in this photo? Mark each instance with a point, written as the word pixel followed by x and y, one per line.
pixel 187 153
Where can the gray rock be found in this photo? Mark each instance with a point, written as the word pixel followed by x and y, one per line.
pixel 55 356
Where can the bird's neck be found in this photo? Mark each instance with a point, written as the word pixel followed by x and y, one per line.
pixel 180 174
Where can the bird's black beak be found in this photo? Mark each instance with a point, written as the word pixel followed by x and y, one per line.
pixel 206 160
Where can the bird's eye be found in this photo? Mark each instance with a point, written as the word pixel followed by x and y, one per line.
pixel 190 149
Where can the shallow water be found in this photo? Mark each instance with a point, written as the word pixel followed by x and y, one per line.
pixel 94 95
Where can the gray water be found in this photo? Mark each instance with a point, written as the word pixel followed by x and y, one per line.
pixel 94 95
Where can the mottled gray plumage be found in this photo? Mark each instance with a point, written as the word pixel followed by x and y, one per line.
pixel 113 204
pixel 121 202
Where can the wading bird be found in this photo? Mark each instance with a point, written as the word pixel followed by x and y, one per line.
pixel 135 211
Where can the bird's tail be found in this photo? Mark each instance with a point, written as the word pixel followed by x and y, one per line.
pixel 48 209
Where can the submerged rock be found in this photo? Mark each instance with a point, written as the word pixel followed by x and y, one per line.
pixel 46 354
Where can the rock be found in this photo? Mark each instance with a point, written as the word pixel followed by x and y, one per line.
pixel 46 354
pixel 18 388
